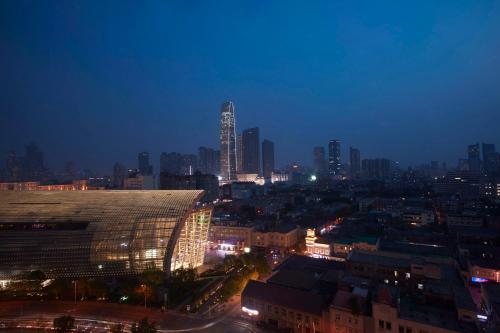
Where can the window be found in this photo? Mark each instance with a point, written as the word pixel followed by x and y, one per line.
pixel 337 317
pixel 408 330
pixel 388 326
pixel 381 324
pixel 401 329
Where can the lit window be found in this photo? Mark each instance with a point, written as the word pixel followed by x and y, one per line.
pixel 408 275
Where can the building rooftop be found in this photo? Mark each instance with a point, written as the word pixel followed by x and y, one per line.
pixel 291 298
pixel 374 258
pixel 314 265
pixel 297 279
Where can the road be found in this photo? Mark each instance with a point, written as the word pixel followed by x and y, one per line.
pixel 94 317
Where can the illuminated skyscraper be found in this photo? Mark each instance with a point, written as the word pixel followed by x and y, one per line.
pixel 228 158
pixel 334 157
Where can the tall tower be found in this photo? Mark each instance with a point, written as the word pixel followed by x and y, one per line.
pixel 334 157
pixel 267 158
pixel 251 150
pixel 228 158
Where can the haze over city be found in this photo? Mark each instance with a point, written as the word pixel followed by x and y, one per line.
pixel 95 83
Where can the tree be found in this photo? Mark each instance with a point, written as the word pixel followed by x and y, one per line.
pixel 64 324
pixel 117 328
pixel 144 326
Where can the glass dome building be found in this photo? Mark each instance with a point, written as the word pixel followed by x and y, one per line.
pixel 101 233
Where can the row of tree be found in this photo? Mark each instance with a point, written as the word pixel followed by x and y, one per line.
pixel 66 324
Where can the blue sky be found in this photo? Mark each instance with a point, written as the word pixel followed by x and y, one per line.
pixel 98 81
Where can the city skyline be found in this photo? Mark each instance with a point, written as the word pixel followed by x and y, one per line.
pixel 426 88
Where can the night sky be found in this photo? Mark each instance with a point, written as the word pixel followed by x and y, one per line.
pixel 97 82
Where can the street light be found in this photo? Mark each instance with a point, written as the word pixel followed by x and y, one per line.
pixel 75 282
pixel 143 286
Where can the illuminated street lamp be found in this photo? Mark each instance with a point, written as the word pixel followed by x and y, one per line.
pixel 75 283
pixel 313 178
pixel 144 288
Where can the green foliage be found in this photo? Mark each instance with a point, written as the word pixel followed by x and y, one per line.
pixel 144 326
pixel 57 287
pixel 152 278
pixel 64 324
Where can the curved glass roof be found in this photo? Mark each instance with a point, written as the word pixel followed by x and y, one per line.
pixel 88 233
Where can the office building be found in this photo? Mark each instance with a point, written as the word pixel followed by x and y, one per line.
pixel 208 160
pixel 189 164
pixel 379 168
pixel 119 175
pixel 239 153
pixel 171 163
pixel 355 162
pixel 490 158
pixel 319 160
pixel 474 158
pixel 251 150
pixel 101 233
pixel 334 157
pixel 198 181
pixel 228 160
pixel 267 158
pixel 33 163
pixel 143 164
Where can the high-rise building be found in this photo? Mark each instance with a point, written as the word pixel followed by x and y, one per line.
pixel 251 150
pixel 319 160
pixel 197 181
pixel 12 167
pixel 239 153
pixel 119 175
pixel 355 162
pixel 490 158
pixel 379 168
pixel 189 164
pixel 474 157
pixel 208 160
pixel 267 158
pixel 170 163
pixel 143 163
pixel 334 157
pixel 228 160
pixel 32 163
pixel 217 162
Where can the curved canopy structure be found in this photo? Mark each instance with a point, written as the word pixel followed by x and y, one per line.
pixel 98 233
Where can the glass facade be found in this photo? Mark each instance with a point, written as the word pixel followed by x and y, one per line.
pixel 101 233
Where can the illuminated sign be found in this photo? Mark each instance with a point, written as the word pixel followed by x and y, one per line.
pixel 479 279
pixel 482 317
